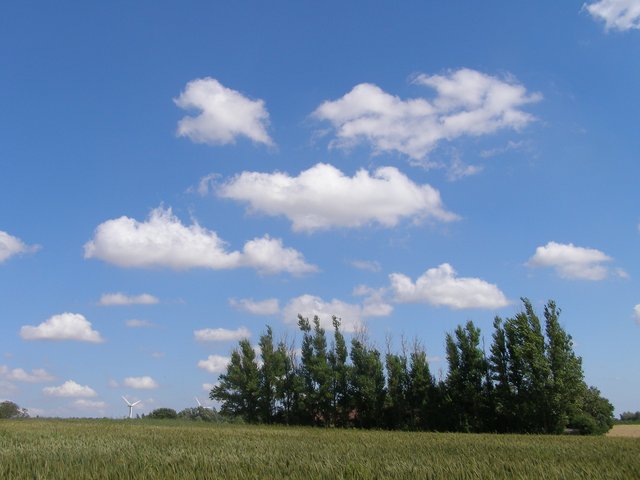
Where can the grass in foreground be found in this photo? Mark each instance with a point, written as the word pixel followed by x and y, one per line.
pixel 73 449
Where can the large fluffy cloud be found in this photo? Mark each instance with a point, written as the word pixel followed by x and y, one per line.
pixel 323 197
pixel 467 102
pixel 163 241
pixel 441 286
pixel 10 246
pixel 141 383
pixel 351 315
pixel 221 334
pixel 110 299
pixel 70 389
pixel 570 261
pixel 225 114
pixel 617 14
pixel 65 326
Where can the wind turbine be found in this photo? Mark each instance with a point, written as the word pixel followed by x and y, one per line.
pixel 131 405
pixel 200 405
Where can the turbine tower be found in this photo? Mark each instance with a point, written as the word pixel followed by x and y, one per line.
pixel 200 405
pixel 131 405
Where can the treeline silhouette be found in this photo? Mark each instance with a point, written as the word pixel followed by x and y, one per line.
pixel 530 381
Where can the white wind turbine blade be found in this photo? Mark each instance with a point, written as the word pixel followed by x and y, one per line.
pixel 134 404
pixel 199 404
pixel 127 401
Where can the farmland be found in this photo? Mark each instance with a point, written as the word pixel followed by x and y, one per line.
pixel 117 449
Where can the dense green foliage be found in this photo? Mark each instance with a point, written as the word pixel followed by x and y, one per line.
pixel 9 409
pixel 531 381
pixel 162 414
pixel 200 414
pixel 144 449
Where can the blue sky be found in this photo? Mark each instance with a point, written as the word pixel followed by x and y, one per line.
pixel 174 178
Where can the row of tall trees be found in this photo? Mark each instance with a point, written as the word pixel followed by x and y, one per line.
pixel 529 381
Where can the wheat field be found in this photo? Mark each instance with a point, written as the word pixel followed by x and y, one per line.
pixel 142 449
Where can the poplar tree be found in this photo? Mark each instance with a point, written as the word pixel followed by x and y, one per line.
pixel 238 389
pixel 397 404
pixel 341 400
pixel 367 385
pixel 529 371
pixel 316 372
pixel 500 367
pixel 420 390
pixel 272 375
pixel 566 388
pixel 466 378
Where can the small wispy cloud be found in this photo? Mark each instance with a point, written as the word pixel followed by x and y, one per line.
pixel 142 383
pixel 618 15
pixel 11 246
pixel 135 323
pixel 36 375
pixel 367 265
pixel 221 334
pixel 119 299
pixel 270 306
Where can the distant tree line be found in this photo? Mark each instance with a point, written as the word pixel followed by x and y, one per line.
pixel 199 413
pixel 530 381
pixel 630 417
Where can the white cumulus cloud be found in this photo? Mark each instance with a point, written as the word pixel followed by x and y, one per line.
pixel 323 197
pixel 10 246
pixel 225 114
pixel 214 364
pixel 70 389
pixel 163 241
pixel 221 334
pixel 269 306
pixel 269 256
pixel 110 299
pixel 636 313
pixel 467 102
pixel 141 383
pixel 570 261
pixel 374 303
pixel 617 14
pixel 65 326
pixel 440 286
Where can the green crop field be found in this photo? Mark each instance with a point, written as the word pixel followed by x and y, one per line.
pixel 118 449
